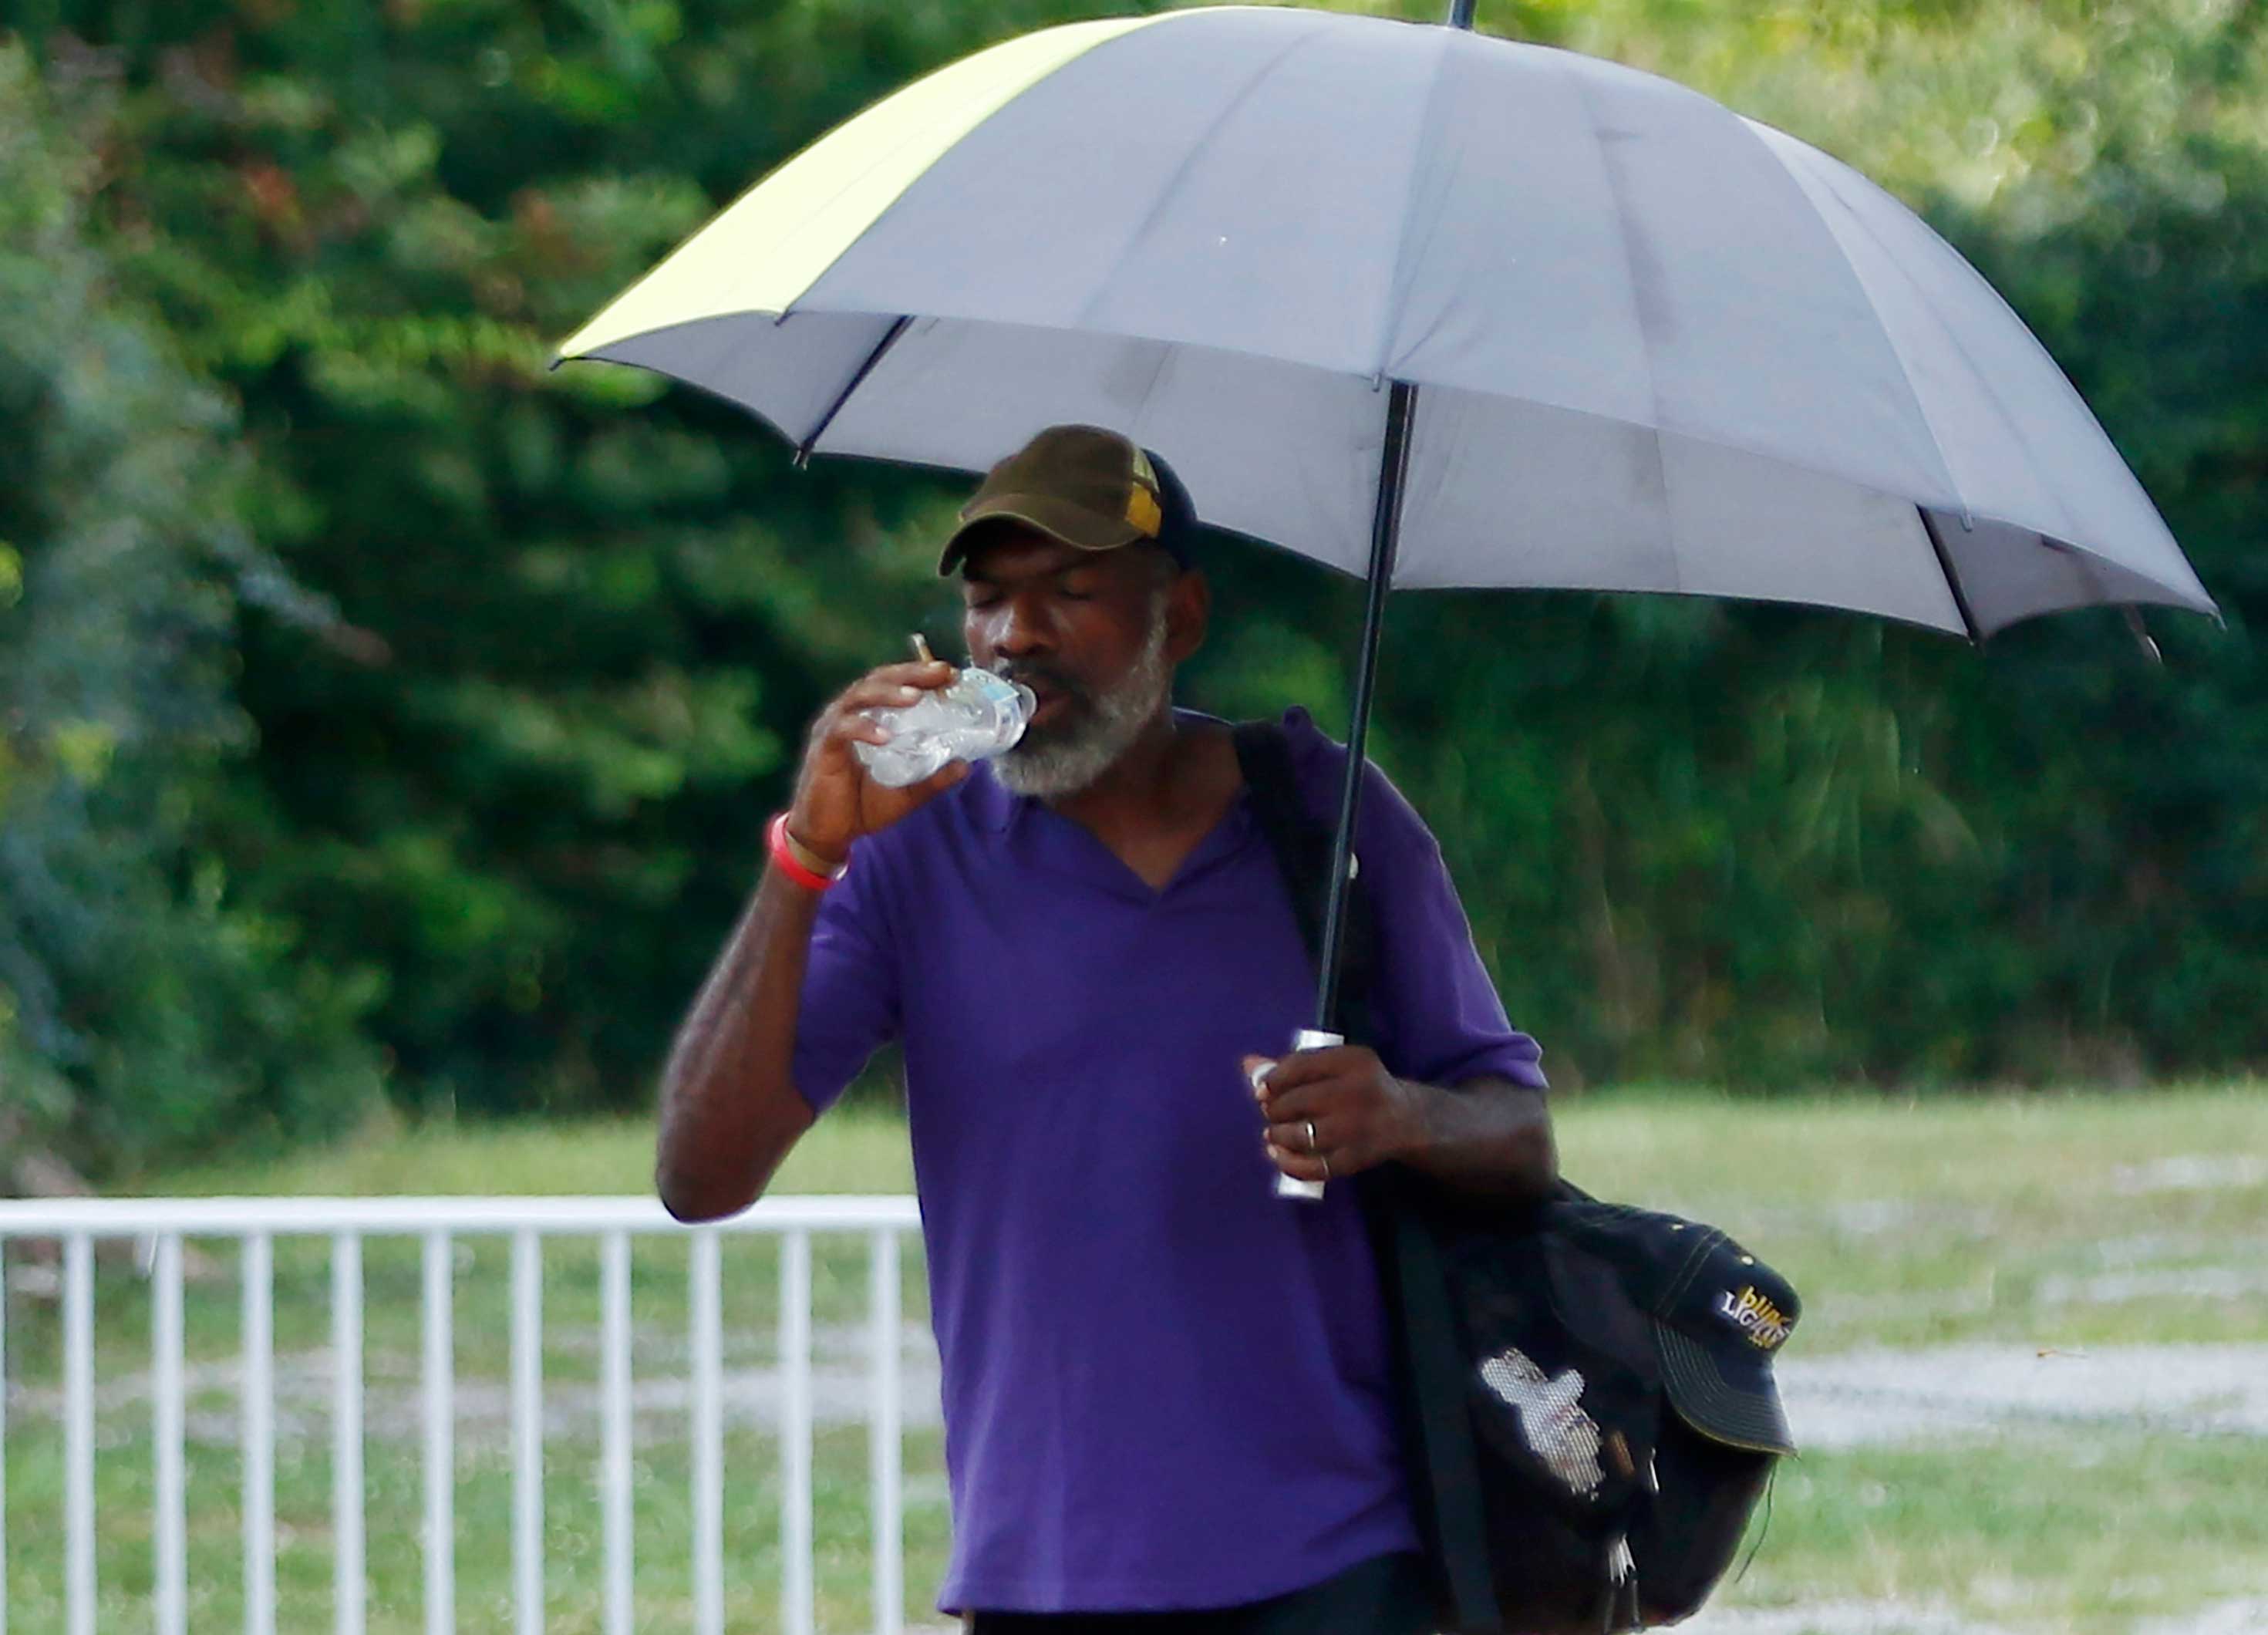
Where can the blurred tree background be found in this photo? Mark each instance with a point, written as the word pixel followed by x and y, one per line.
pixel 382 718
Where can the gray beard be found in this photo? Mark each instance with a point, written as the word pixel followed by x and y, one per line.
pixel 1088 748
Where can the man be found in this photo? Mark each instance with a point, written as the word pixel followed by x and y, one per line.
pixel 1167 1393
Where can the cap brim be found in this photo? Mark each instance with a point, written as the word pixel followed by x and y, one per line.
pixel 1060 520
pixel 1737 1404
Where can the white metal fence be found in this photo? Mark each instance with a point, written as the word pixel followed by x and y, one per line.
pixel 159 1228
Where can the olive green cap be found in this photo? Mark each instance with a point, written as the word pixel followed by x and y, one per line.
pixel 1082 485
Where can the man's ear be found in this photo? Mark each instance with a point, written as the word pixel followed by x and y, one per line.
pixel 1189 613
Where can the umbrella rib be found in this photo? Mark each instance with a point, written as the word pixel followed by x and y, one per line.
pixel 1397 276
pixel 1952 580
pixel 1644 328
pixel 1167 190
pixel 858 378
pixel 2015 424
pixel 1867 294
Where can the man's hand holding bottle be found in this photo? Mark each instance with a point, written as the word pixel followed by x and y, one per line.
pixel 836 801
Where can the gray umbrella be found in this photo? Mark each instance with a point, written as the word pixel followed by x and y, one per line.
pixel 1422 305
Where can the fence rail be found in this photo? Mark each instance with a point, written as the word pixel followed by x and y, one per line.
pixel 159 1227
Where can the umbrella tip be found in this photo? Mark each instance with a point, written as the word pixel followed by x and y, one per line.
pixel 2149 642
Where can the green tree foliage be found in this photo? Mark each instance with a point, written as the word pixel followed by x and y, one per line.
pixel 143 1006
pixel 507 802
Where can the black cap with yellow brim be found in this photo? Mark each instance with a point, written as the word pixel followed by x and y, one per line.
pixel 1085 486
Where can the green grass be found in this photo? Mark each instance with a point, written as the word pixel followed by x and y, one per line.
pixel 2097 1534
pixel 1931 1223
pixel 1992 1219
pixel 853 1149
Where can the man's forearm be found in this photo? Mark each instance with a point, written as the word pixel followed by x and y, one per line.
pixel 1489 1137
pixel 729 1110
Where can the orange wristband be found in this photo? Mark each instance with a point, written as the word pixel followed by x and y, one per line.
pixel 783 849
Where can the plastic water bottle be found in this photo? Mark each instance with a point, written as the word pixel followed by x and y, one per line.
pixel 978 714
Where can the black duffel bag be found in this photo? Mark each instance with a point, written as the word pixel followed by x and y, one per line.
pixel 1589 1405
pixel 1592 1403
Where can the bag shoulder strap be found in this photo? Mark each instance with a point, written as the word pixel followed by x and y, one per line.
pixel 1264 754
pixel 1301 846
pixel 1445 1476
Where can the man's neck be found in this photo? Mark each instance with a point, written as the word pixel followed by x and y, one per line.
pixel 1139 789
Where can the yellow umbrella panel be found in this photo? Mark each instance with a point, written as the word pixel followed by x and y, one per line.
pixel 773 243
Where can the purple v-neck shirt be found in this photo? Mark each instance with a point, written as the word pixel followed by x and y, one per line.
pixel 1164 1387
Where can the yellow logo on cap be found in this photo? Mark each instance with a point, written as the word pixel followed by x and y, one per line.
pixel 1763 1322
pixel 1142 509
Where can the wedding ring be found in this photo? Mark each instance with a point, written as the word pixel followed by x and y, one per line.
pixel 1311 1135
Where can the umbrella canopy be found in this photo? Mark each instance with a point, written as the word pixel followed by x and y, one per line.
pixel 1637 342
pixel 1436 308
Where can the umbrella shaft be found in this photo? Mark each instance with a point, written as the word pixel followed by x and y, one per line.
pixel 1384 529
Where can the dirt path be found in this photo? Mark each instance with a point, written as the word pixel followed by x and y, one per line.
pixel 1869 1398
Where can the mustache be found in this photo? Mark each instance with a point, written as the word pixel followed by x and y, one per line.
pixel 1038 673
